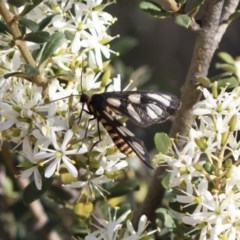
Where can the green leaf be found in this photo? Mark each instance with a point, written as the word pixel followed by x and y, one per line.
pixel 233 16
pixel 183 20
pixel 204 81
pixel 30 6
pixel 226 67
pixel 17 3
pixel 3 28
pixel 166 218
pixel 123 187
pixel 30 70
pixel 154 9
pixel 226 57
pixel 56 40
pixel 31 193
pixel 21 74
pixel 37 37
pixel 162 142
pixel 181 2
pixel 33 26
pixel 123 207
pixel 124 45
pixel 10 74
pixel 46 21
pixel 195 8
pixel 226 79
pixel 230 82
pixel 165 180
pixel 150 7
pixel 220 76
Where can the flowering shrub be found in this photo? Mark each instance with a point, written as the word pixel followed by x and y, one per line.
pixel 62 51
pixel 51 53
pixel 204 175
pixel 39 118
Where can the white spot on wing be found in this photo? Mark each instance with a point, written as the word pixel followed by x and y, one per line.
pixel 114 102
pixel 156 109
pixel 134 98
pixel 109 115
pixel 151 113
pixel 125 132
pixel 164 98
pixel 138 147
pixel 133 113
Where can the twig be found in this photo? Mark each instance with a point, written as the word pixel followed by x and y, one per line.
pixel 12 23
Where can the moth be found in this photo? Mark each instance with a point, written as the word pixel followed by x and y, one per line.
pixel 142 107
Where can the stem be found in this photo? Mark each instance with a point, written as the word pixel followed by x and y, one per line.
pixel 12 23
pixel 214 25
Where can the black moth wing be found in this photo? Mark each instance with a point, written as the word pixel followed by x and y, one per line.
pixel 123 138
pixel 142 107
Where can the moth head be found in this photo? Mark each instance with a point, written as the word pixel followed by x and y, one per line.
pixel 84 98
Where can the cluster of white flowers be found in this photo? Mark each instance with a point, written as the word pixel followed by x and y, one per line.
pixel 48 132
pixel 207 170
pixel 49 126
pixel 113 228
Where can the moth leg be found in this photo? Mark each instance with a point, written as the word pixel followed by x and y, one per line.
pixel 81 113
pixel 86 131
pixel 99 136
pixel 85 134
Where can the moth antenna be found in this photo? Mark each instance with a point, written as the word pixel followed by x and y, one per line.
pixel 107 86
pixel 84 70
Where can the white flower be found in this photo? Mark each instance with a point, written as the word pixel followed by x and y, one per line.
pixel 21 106
pixel 108 229
pixel 91 185
pixel 131 234
pixel 29 152
pixel 112 163
pixel 60 152
pixel 37 176
pixel 226 103
pixel 92 34
pixel 183 165
pixel 204 169
pixel 232 184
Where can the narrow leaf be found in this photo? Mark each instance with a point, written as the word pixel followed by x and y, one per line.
pixel 230 82
pixel 226 57
pixel 154 9
pixel 195 8
pixel 17 3
pixel 56 40
pixel 233 16
pixel 122 188
pixel 33 26
pixel 30 6
pixel 3 28
pixel 46 21
pixel 150 7
pixel 37 37
pixel 124 45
